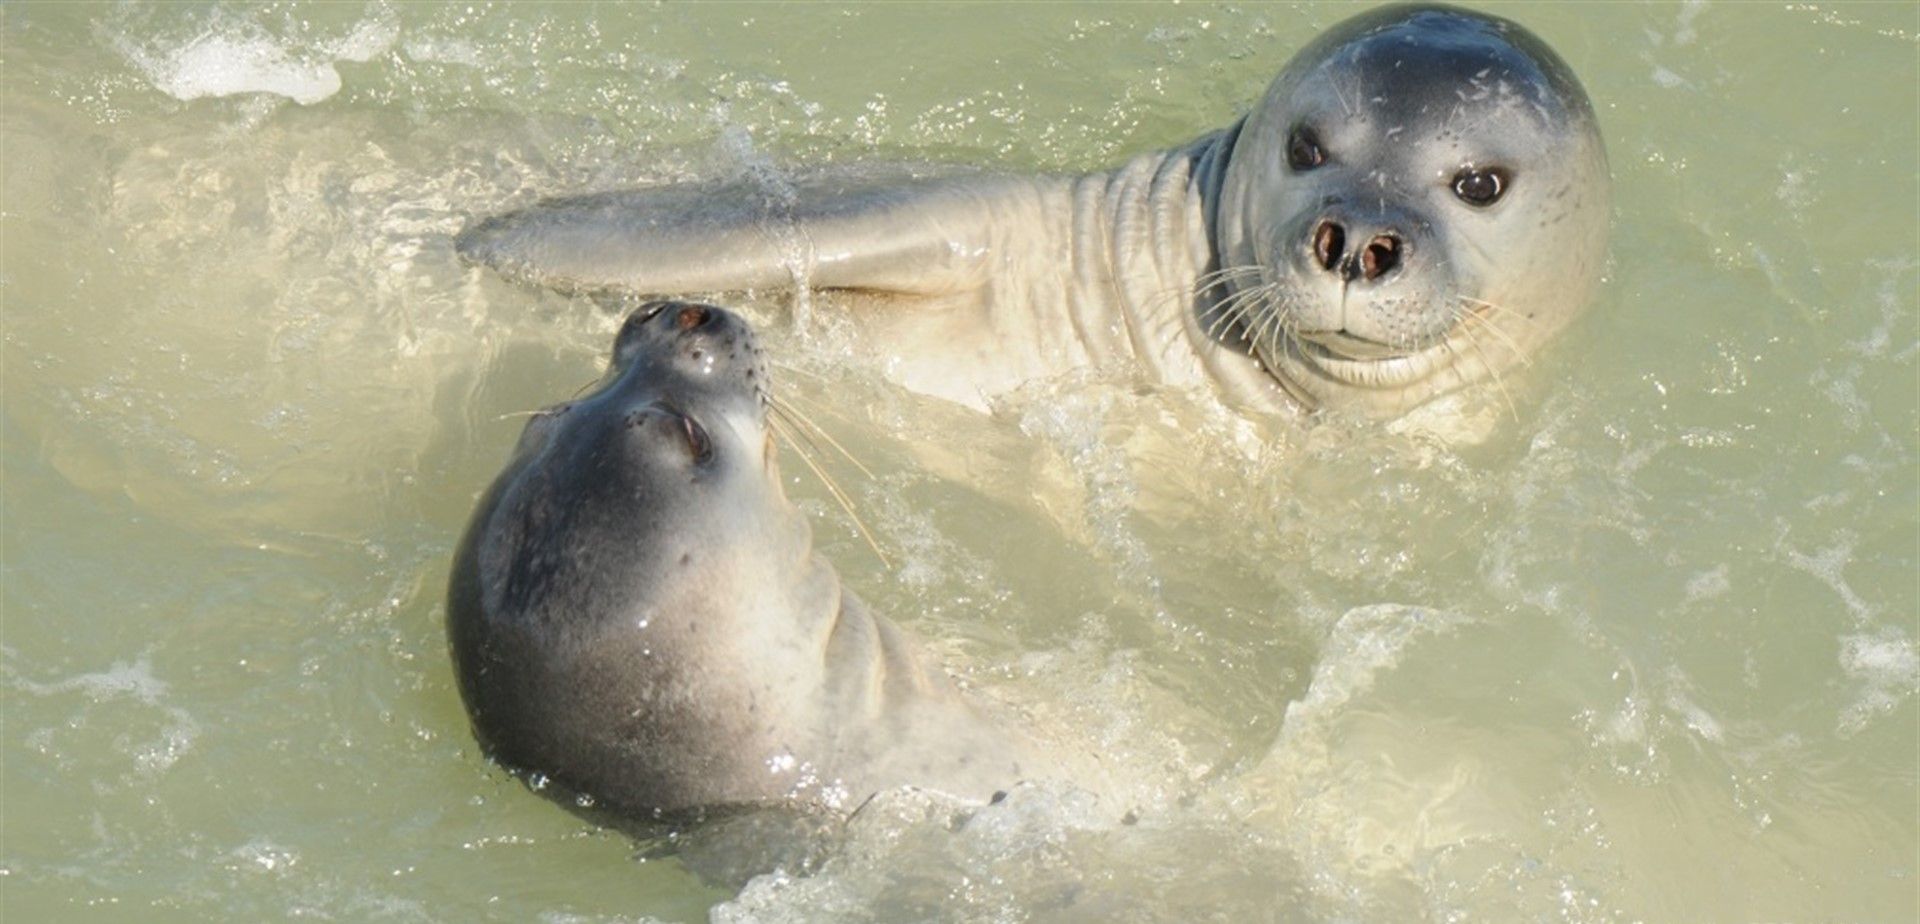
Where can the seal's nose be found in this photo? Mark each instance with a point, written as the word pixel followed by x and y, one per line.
pixel 670 318
pixel 684 320
pixel 1379 256
pixel 691 316
pixel 677 325
pixel 705 341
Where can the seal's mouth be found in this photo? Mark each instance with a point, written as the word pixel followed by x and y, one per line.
pixel 1388 368
pixel 1346 346
pixel 1352 359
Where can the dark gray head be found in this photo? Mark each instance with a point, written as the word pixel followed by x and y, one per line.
pixel 1424 192
pixel 613 573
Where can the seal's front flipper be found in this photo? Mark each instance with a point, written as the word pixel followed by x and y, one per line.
pixel 924 237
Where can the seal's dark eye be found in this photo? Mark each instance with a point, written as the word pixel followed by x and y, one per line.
pixel 1303 149
pixel 1480 186
pixel 698 443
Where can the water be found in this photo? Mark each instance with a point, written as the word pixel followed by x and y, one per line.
pixel 1645 654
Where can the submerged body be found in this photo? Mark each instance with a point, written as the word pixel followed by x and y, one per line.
pixel 636 611
pixel 1419 201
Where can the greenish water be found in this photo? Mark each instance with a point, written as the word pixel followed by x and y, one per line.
pixel 1646 654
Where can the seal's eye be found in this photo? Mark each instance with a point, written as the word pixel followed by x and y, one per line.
pixel 1303 149
pixel 1480 187
pixel 698 442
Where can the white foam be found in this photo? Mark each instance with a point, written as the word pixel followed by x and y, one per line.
pixel 1075 422
pixel 234 57
pixel 1365 642
pixel 445 51
pixel 369 39
pixel 133 681
pixel 263 854
pixel 128 681
pixel 217 64
pixel 1888 670
pixel 1708 584
pixel 1828 565
pixel 1683 31
pixel 992 862
pixel 568 917
pixel 1698 720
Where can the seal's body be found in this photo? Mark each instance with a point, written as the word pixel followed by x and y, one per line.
pixel 636 611
pixel 1419 201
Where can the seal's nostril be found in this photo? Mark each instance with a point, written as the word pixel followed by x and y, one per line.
pixel 690 317
pixel 1380 257
pixel 1329 244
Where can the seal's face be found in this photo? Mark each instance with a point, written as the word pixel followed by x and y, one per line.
pixel 1423 194
pixel 667 450
pixel 629 551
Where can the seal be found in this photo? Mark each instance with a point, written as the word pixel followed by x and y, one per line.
pixel 1419 201
pixel 635 611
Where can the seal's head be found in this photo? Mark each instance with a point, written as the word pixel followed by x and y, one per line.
pixel 1419 201
pixel 622 604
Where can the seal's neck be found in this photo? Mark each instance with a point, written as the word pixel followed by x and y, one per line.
pixel 1209 156
pixel 1154 223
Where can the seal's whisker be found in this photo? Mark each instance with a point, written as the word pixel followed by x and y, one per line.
pixel 583 388
pixel 1224 315
pixel 1505 339
pixel 787 367
pixel 799 413
pixel 1493 373
pixel 1470 319
pixel 1256 315
pixel 802 412
pixel 1253 311
pixel 513 414
pixel 1276 322
pixel 1218 312
pixel 1212 278
pixel 1229 314
pixel 1232 309
pixel 1154 302
pixel 804 424
pixel 795 401
pixel 800 439
pixel 833 488
pixel 1483 307
pixel 1204 283
pixel 1217 278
